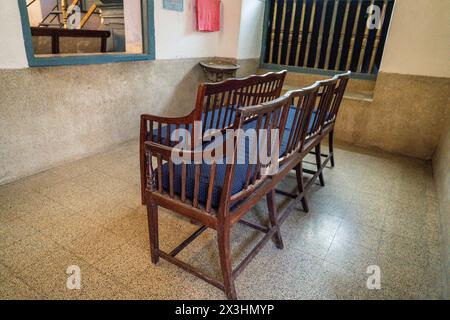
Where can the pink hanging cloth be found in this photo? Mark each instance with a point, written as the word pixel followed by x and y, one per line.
pixel 208 15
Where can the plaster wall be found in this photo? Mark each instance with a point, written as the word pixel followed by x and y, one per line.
pixel 417 43
pixel 441 172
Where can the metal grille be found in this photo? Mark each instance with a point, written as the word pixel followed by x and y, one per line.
pixel 326 34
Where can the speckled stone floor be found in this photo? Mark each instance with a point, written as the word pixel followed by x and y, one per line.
pixel 375 209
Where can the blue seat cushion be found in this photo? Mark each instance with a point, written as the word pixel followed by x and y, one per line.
pixel 221 114
pixel 240 175
pixel 205 171
pixel 208 115
pixel 289 125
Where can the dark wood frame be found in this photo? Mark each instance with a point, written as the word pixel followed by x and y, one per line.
pixel 56 33
pixel 328 127
pixel 330 94
pixel 322 100
pixel 232 206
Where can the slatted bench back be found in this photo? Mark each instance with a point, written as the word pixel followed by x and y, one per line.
pixel 268 120
pixel 219 101
pixel 326 89
pixel 342 81
pixel 302 102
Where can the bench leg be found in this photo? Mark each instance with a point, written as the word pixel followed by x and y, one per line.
pixel 142 160
pixel 319 164
pixel 152 215
pixel 301 187
pixel 224 242
pixel 330 147
pixel 273 219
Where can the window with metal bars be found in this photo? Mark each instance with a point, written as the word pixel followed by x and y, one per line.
pixel 326 35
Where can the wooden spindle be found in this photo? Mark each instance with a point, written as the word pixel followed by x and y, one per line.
pixel 212 177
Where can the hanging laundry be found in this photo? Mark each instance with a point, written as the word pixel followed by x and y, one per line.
pixel 208 15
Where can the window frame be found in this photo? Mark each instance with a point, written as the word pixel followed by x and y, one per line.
pixel 148 39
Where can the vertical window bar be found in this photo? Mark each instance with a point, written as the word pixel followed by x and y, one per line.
pixel 368 52
pixel 296 32
pixel 365 38
pixel 321 32
pixel 282 24
pixel 332 59
pixel 359 35
pixel 353 37
pixel 309 33
pixel 305 30
pixel 385 27
pixel 317 27
pixel 302 22
pixel 328 29
pixel 342 36
pixel 286 31
pixel 273 29
pixel 377 38
pixel 291 32
pixel 353 6
pixel 270 32
pixel 276 38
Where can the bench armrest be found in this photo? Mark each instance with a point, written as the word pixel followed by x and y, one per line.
pixel 168 120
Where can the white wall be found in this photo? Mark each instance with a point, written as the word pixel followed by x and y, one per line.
pixel 419 39
pixel 176 35
pixel 228 40
pixel 12 51
pixel 250 33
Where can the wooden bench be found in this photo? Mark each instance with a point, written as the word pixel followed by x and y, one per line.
pixel 215 106
pixel 218 195
pixel 322 125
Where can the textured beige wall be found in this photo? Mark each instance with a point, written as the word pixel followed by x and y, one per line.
pixel 441 172
pixel 57 114
pixel 248 67
pixel 405 117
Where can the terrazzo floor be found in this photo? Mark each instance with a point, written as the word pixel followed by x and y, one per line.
pixel 375 210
